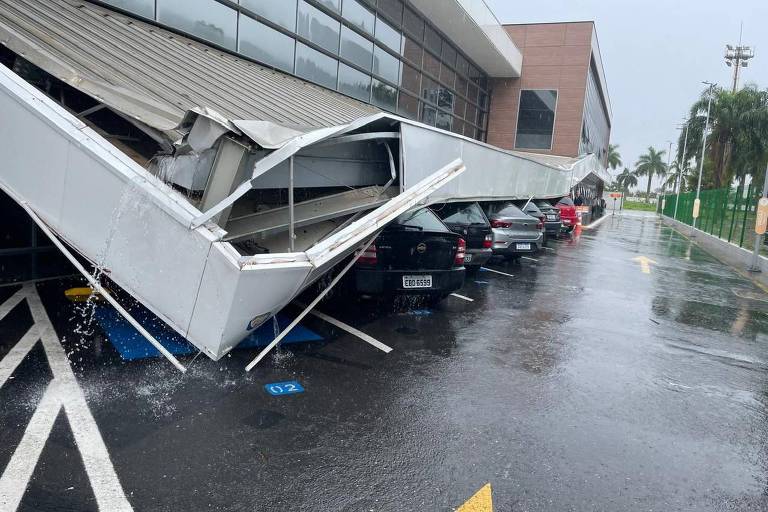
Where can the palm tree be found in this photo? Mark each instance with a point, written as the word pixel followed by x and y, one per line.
pixel 651 164
pixel 614 158
pixel 626 179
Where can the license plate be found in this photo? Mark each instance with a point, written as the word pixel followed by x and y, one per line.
pixel 551 217
pixel 523 247
pixel 417 281
pixel 467 258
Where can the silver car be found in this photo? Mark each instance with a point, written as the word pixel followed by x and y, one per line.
pixel 515 232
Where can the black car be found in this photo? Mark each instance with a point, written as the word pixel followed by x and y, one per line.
pixel 552 223
pixel 415 254
pixel 469 221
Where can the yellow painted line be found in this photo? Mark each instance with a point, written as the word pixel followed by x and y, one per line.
pixel 645 263
pixel 482 501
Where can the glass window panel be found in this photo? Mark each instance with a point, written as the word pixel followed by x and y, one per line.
pixel 206 19
pixel 459 107
pixel 393 9
pixel 482 100
pixel 354 83
pixel 536 119
pixel 470 131
pixel 445 99
pixel 144 8
pixel 356 48
pixel 359 15
pixel 472 91
pixel 413 24
pixel 462 66
pixel 385 65
pixel 428 115
pixel 331 4
pixel 318 27
pixel 449 54
pixel 388 35
pixel 412 51
pixel 383 95
pixel 283 12
pixel 265 44
pixel 411 79
pixel 458 126
pixel 431 64
pixel 429 89
pixel 432 40
pixel 315 66
pixel 471 115
pixel 447 76
pixel 443 121
pixel 408 106
pixel 474 73
pixel 461 85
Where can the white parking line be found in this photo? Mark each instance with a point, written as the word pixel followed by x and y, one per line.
pixel 549 248
pixel 462 297
pixel 64 391
pixel 498 272
pixel 596 223
pixel 530 259
pixel 360 334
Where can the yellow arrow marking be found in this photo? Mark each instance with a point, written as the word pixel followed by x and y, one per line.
pixel 482 501
pixel 645 263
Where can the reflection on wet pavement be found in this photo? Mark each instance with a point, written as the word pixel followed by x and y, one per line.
pixel 581 383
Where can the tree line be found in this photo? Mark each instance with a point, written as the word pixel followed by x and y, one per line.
pixel 736 145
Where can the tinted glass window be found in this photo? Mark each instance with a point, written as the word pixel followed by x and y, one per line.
pixel 315 66
pixel 447 76
pixel 443 121
pixel 510 210
pixel 206 19
pixel 411 79
pixel 458 126
pixel 144 8
pixel 318 27
pixel 445 99
pixel 431 65
pixel 412 51
pixel 429 89
pixel 386 65
pixel 432 40
pixel 461 85
pixel 331 4
pixel 283 12
pixel 359 15
pixel 567 201
pixel 354 83
pixel 461 213
pixel 388 35
pixel 265 44
pixel 449 54
pixel 535 120
pixel 393 9
pixel 413 24
pixel 384 96
pixel 462 66
pixel 428 115
pixel 356 48
pixel 408 106
pixel 423 218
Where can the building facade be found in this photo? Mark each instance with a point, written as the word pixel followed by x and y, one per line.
pixel 384 52
pixel 559 105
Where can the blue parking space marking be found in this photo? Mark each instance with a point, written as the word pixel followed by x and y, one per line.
pixel 290 387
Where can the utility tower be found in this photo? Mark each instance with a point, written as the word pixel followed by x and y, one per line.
pixel 738 57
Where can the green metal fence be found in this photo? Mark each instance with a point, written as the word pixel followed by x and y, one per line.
pixel 726 213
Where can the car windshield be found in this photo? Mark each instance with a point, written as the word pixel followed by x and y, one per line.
pixel 462 213
pixel 566 201
pixel 510 211
pixel 422 219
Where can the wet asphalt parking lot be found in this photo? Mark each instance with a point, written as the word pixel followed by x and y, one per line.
pixel 580 383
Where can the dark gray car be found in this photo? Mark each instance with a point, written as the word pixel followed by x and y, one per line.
pixel 515 232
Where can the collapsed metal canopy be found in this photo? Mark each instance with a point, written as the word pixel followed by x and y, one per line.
pixel 155 75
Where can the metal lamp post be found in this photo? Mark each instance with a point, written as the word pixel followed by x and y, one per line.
pixel 680 165
pixel 697 202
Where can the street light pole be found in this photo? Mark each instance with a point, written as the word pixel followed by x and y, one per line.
pixel 680 169
pixel 697 202
pixel 664 183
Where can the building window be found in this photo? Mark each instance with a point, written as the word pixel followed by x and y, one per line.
pixel 536 119
pixel 265 44
pixel 318 27
pixel 354 83
pixel 356 13
pixel 316 67
pixel 206 19
pixel 144 8
pixel 283 12
pixel 356 49
pixel 385 96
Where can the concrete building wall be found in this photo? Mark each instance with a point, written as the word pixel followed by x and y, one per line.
pixel 555 56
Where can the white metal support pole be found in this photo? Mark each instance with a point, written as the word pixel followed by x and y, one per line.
pixel 664 184
pixel 100 289
pixel 309 308
pixel 680 165
pixel 755 265
pixel 701 160
pixel 292 219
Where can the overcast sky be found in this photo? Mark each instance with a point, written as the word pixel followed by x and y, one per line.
pixel 655 54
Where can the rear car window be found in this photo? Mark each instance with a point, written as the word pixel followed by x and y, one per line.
pixel 543 205
pixel 458 213
pixel 510 210
pixel 567 201
pixel 423 218
pixel 532 208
